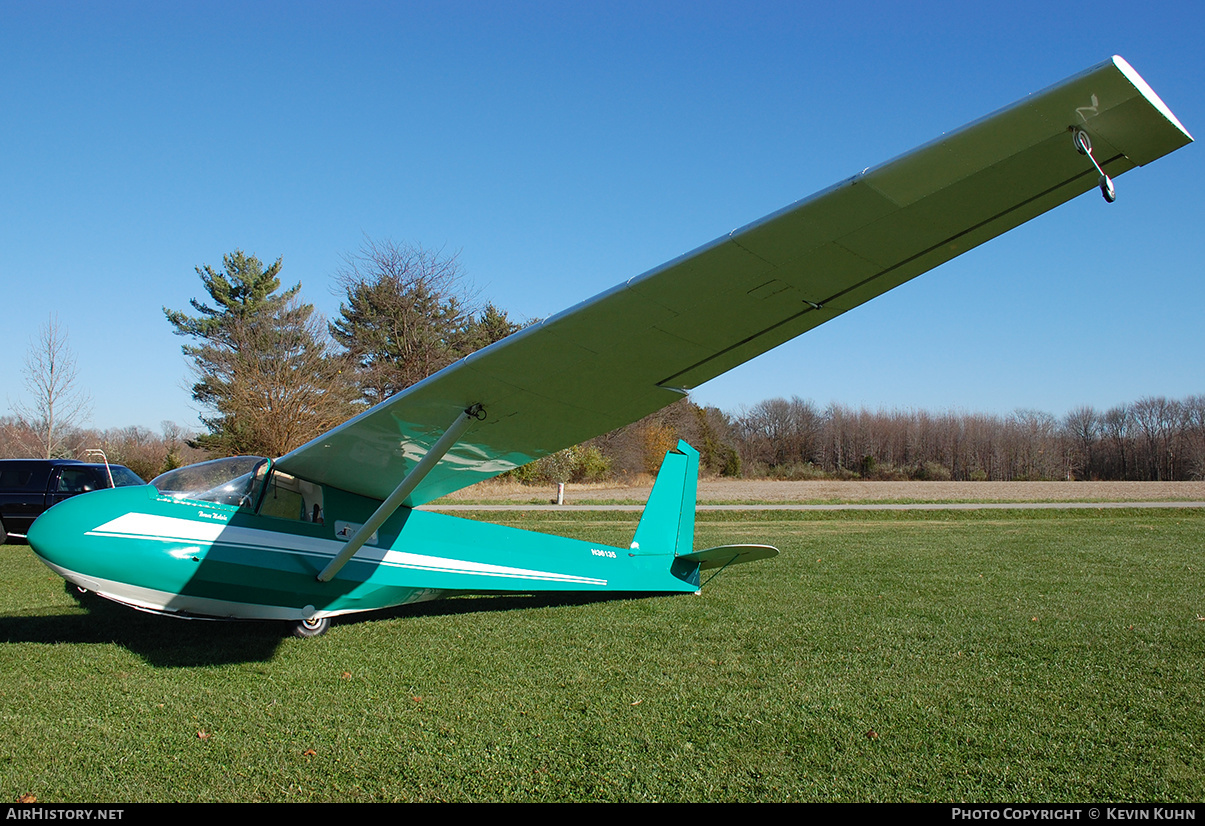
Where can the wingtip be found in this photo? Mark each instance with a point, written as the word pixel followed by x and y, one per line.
pixel 1145 89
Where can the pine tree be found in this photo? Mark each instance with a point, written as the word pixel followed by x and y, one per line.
pixel 407 315
pixel 263 365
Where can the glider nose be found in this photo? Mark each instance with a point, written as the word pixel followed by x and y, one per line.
pixel 60 535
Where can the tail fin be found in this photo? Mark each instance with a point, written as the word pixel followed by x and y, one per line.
pixel 667 526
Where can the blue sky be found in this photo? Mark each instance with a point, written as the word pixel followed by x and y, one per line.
pixel 561 148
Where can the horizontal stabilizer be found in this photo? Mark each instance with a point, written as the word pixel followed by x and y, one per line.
pixel 729 555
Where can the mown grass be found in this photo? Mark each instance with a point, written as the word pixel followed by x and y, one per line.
pixel 949 656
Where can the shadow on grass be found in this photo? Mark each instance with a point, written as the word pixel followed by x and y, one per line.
pixel 159 640
pixel 170 642
pixel 488 603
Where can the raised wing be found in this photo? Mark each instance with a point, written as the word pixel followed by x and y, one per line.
pixel 641 345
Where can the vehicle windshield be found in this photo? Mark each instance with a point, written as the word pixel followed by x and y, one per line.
pixel 124 477
pixel 231 481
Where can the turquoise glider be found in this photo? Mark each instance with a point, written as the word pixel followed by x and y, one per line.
pixel 252 544
pixel 332 527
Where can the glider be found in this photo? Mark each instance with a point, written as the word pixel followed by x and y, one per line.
pixel 332 527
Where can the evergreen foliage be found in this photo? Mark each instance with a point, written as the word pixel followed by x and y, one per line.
pixel 407 315
pixel 264 367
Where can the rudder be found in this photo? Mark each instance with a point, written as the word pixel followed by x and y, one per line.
pixel 667 526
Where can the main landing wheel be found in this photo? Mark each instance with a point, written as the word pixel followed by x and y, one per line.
pixel 312 627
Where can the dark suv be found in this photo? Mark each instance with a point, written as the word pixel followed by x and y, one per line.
pixel 30 486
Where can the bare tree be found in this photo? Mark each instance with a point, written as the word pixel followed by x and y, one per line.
pixel 16 439
pixel 1194 434
pixel 1160 424
pixel 781 432
pixel 56 406
pixel 1083 427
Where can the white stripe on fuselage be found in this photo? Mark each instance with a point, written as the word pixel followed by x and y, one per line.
pixel 173 529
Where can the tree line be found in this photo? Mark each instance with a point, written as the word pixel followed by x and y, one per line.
pixel 270 374
pixel 1151 439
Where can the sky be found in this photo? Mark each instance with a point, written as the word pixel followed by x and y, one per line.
pixel 560 148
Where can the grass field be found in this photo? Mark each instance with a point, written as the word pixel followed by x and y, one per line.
pixel 973 656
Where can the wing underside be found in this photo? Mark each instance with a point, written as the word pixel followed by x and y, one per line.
pixel 641 345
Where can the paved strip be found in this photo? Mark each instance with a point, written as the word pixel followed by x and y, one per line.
pixel 787 506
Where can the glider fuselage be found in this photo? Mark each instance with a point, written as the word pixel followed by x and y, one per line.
pixel 198 558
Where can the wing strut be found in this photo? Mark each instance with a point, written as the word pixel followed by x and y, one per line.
pixel 405 488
